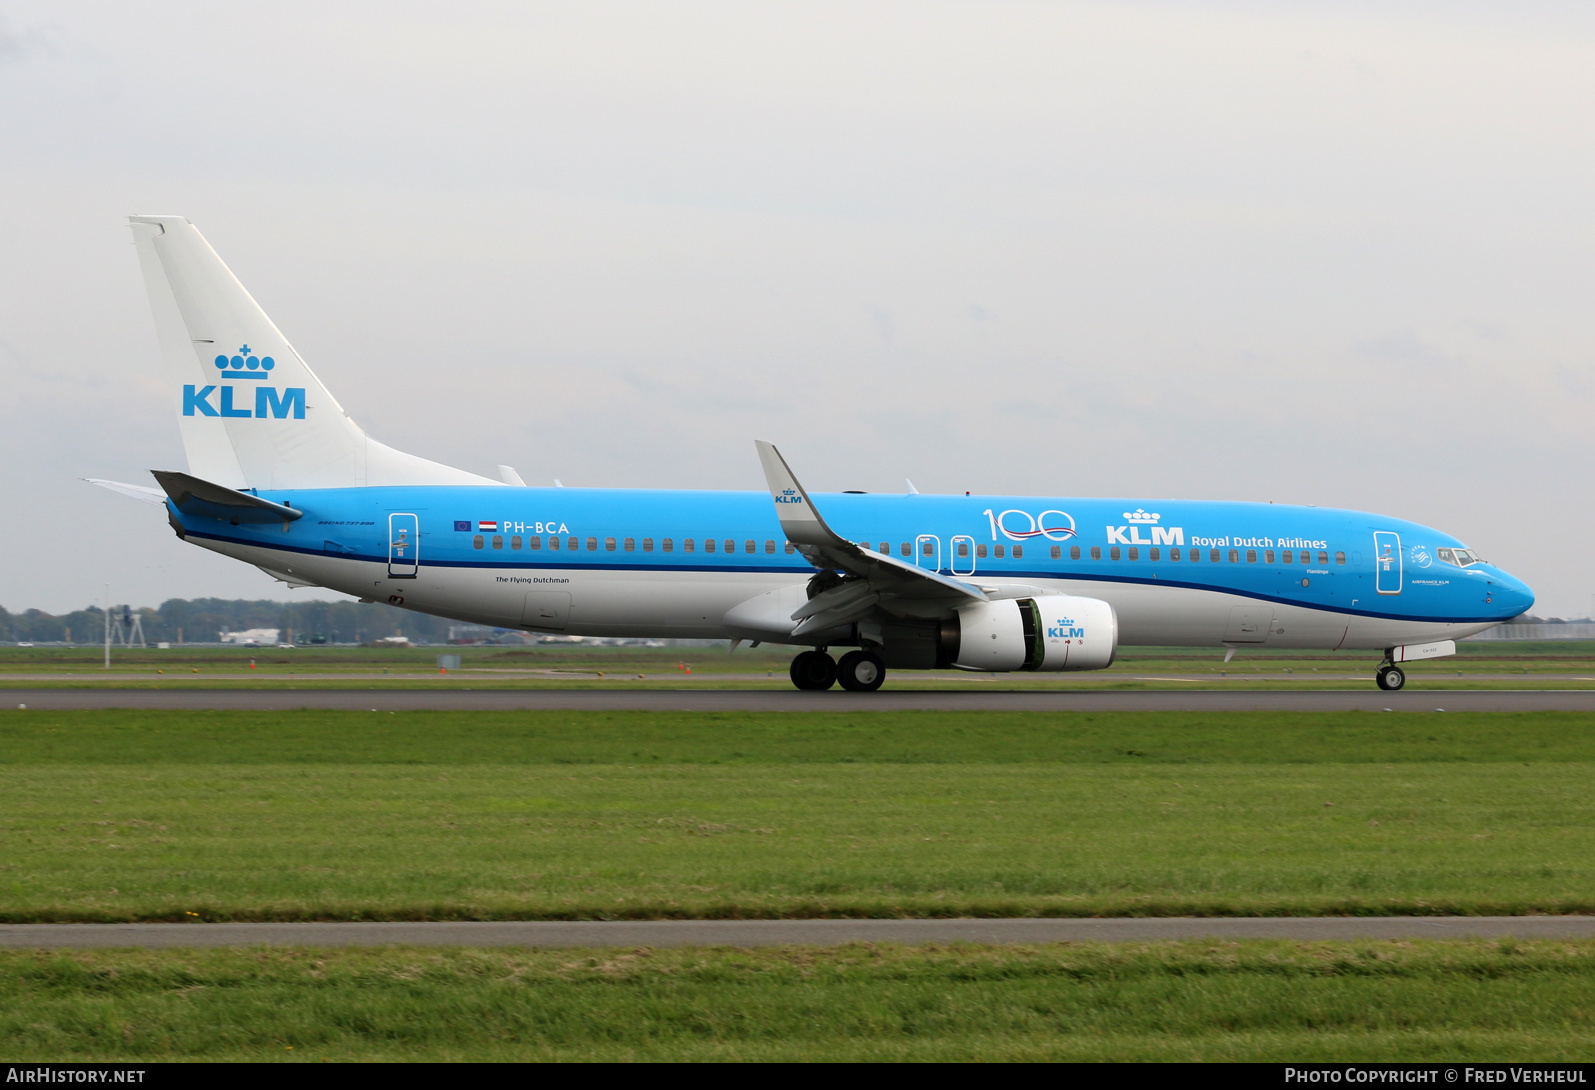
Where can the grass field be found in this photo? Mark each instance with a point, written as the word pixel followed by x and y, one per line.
pixel 1254 1001
pixel 349 815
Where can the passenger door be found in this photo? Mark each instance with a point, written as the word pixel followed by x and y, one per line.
pixel 404 544
pixel 927 552
pixel 1387 561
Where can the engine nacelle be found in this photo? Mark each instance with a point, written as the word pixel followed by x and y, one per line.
pixel 1052 632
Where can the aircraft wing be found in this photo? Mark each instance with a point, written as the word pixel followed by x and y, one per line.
pixel 193 496
pixel 873 580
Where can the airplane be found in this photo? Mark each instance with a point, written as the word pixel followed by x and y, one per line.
pixel 279 476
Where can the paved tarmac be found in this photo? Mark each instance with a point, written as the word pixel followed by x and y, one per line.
pixel 656 933
pixel 727 700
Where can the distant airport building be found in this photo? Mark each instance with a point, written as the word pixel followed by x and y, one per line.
pixel 252 637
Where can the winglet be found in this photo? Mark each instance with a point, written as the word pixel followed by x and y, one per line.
pixel 800 521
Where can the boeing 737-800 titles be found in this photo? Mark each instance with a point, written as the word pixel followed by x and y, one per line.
pixel 279 476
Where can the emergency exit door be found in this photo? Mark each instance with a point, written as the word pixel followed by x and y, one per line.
pixel 1387 561
pixel 404 559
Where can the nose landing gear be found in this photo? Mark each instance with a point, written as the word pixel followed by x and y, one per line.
pixel 1390 678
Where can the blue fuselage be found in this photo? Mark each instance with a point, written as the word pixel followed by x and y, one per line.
pixel 1347 563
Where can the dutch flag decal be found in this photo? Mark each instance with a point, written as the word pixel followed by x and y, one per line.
pixel 487 527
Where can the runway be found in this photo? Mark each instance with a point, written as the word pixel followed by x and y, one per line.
pixel 767 700
pixel 658 933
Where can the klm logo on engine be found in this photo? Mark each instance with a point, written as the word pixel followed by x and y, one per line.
pixel 269 400
pixel 1065 630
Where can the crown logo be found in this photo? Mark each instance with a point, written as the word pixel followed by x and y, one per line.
pixel 1141 516
pixel 244 365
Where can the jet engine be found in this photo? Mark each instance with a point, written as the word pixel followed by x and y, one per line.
pixel 1052 632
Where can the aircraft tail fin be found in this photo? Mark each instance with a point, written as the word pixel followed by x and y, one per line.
pixel 252 413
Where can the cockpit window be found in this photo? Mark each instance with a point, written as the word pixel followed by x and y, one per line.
pixel 1460 557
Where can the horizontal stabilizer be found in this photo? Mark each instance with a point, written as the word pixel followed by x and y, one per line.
pixel 192 496
pixel 140 492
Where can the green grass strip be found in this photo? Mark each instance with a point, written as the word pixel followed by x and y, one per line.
pixel 1250 1001
pixel 315 736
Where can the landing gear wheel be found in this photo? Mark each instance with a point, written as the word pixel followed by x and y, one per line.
pixel 861 671
pixel 1391 678
pixel 814 671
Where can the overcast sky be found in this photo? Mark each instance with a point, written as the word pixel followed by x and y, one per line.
pixel 1337 254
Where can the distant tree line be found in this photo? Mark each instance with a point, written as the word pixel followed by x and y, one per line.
pixel 202 620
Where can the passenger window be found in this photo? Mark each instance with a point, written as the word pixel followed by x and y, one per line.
pixel 534 543
pixel 1234 556
pixel 647 544
pixel 1212 556
pixel 686 546
pixel 906 550
pixel 1251 556
pixel 731 546
pixel 1174 554
pixel 769 547
pixel 1340 558
pixel 668 545
pixel 750 547
pixel 476 542
pixel 1113 553
pixel 1018 551
pixel 708 544
pixel 574 544
pixel 1287 556
pixel 963 548
pixel 553 543
pixel 1096 552
pixel 630 544
pixel 498 542
pixel 998 551
pixel 1323 558
pixel 609 544
pixel 980 552
pixel 1074 552
pixel 1154 554
pixel 1057 552
pixel 1306 558
pixel 592 544
pixel 515 543
pixel 1135 554
pixel 790 548
pixel 1268 556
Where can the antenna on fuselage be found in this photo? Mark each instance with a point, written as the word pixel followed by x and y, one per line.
pixel 912 491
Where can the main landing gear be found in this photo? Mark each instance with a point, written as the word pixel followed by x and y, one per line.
pixel 859 671
pixel 1390 678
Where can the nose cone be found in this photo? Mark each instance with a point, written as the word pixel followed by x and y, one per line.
pixel 1509 595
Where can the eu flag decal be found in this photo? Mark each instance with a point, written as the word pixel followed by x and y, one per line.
pixel 462 527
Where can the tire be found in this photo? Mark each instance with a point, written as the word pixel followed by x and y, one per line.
pixel 861 671
pixel 813 671
pixel 1391 679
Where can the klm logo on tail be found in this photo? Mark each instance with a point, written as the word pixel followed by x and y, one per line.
pixel 269 401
